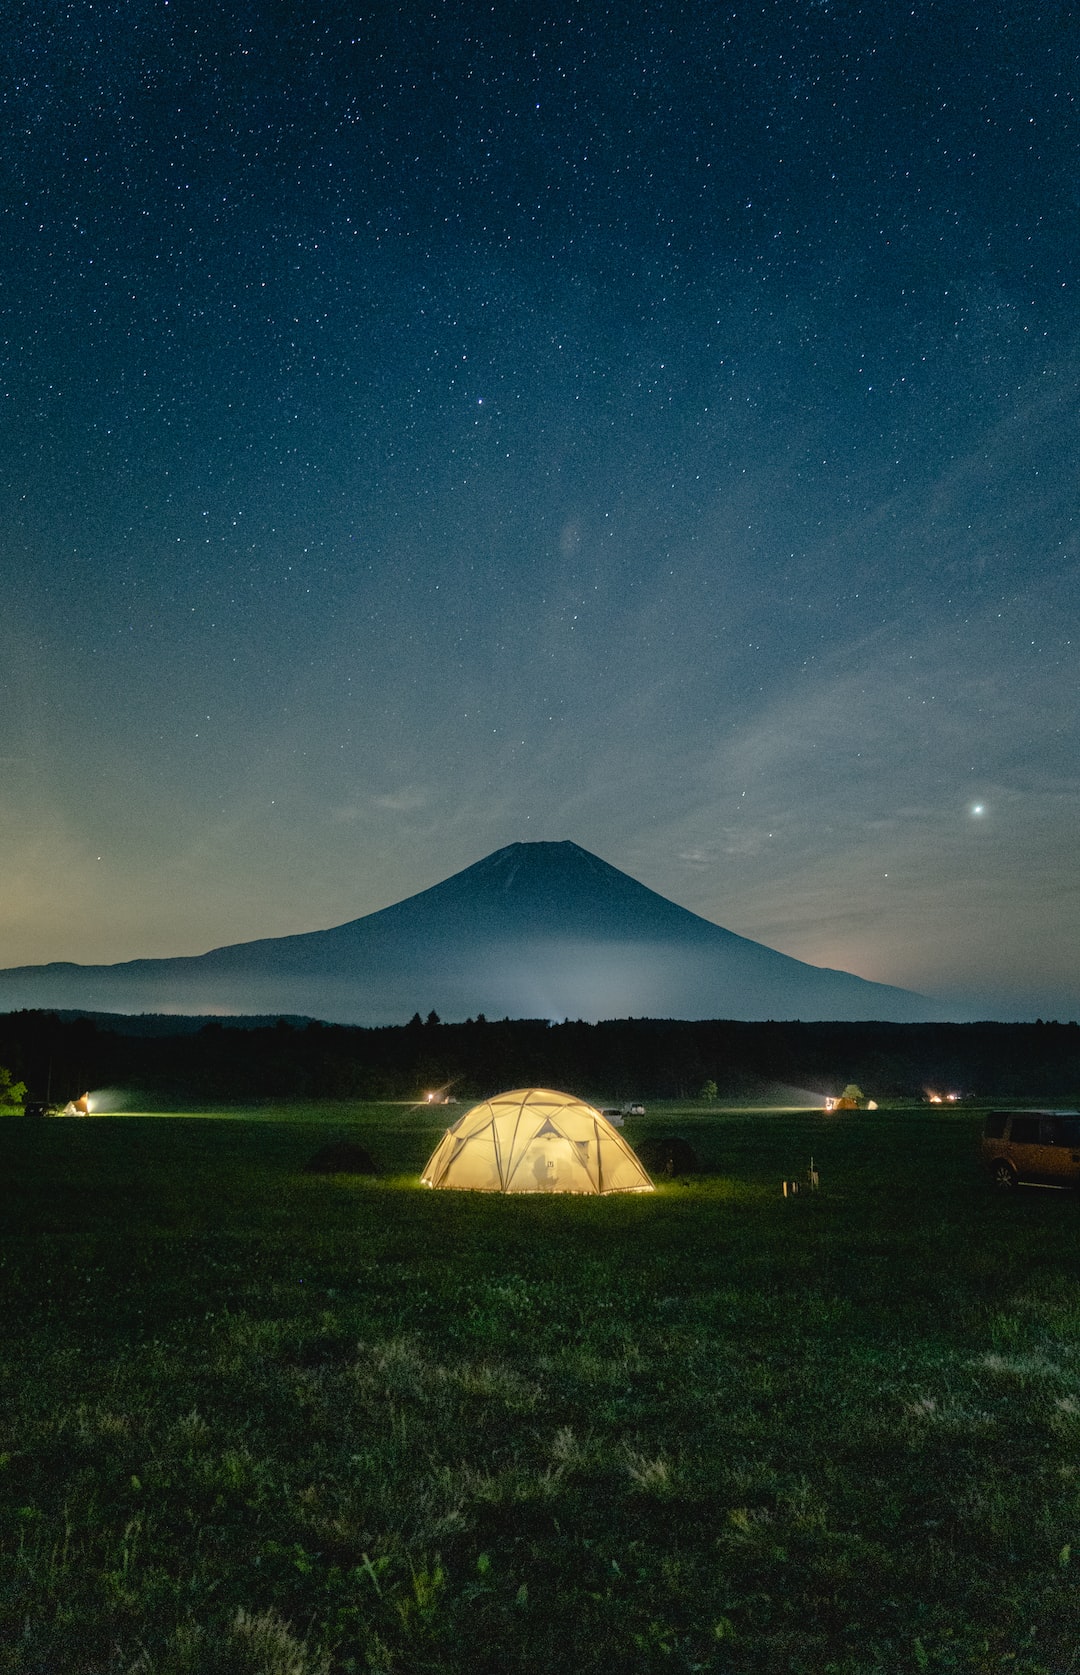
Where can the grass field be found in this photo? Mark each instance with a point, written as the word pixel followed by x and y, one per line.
pixel 265 1423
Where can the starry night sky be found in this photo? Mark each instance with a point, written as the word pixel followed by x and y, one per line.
pixel 430 427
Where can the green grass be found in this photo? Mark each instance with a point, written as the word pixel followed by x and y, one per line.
pixel 264 1423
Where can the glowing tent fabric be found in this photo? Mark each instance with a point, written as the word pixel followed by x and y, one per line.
pixel 534 1140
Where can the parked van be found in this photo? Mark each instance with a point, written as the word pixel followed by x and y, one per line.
pixel 1033 1148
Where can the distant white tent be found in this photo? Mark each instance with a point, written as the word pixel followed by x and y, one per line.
pixel 534 1140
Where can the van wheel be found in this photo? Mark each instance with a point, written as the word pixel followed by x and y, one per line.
pixel 1004 1176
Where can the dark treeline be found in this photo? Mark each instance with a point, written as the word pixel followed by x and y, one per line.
pixel 170 1061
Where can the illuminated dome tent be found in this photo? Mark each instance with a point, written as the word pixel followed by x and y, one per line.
pixel 534 1140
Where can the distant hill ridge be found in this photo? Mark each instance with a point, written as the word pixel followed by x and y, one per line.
pixel 533 930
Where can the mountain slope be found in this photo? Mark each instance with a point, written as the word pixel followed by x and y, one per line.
pixel 533 930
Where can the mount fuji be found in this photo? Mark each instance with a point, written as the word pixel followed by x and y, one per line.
pixel 538 930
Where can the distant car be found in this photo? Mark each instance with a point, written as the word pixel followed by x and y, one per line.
pixel 634 1110
pixel 38 1108
pixel 1032 1148
pixel 614 1115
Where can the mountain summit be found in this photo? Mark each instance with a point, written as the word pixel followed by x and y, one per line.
pixel 537 930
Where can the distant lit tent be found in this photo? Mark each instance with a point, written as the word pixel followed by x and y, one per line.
pixel 534 1140
pixel 852 1099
